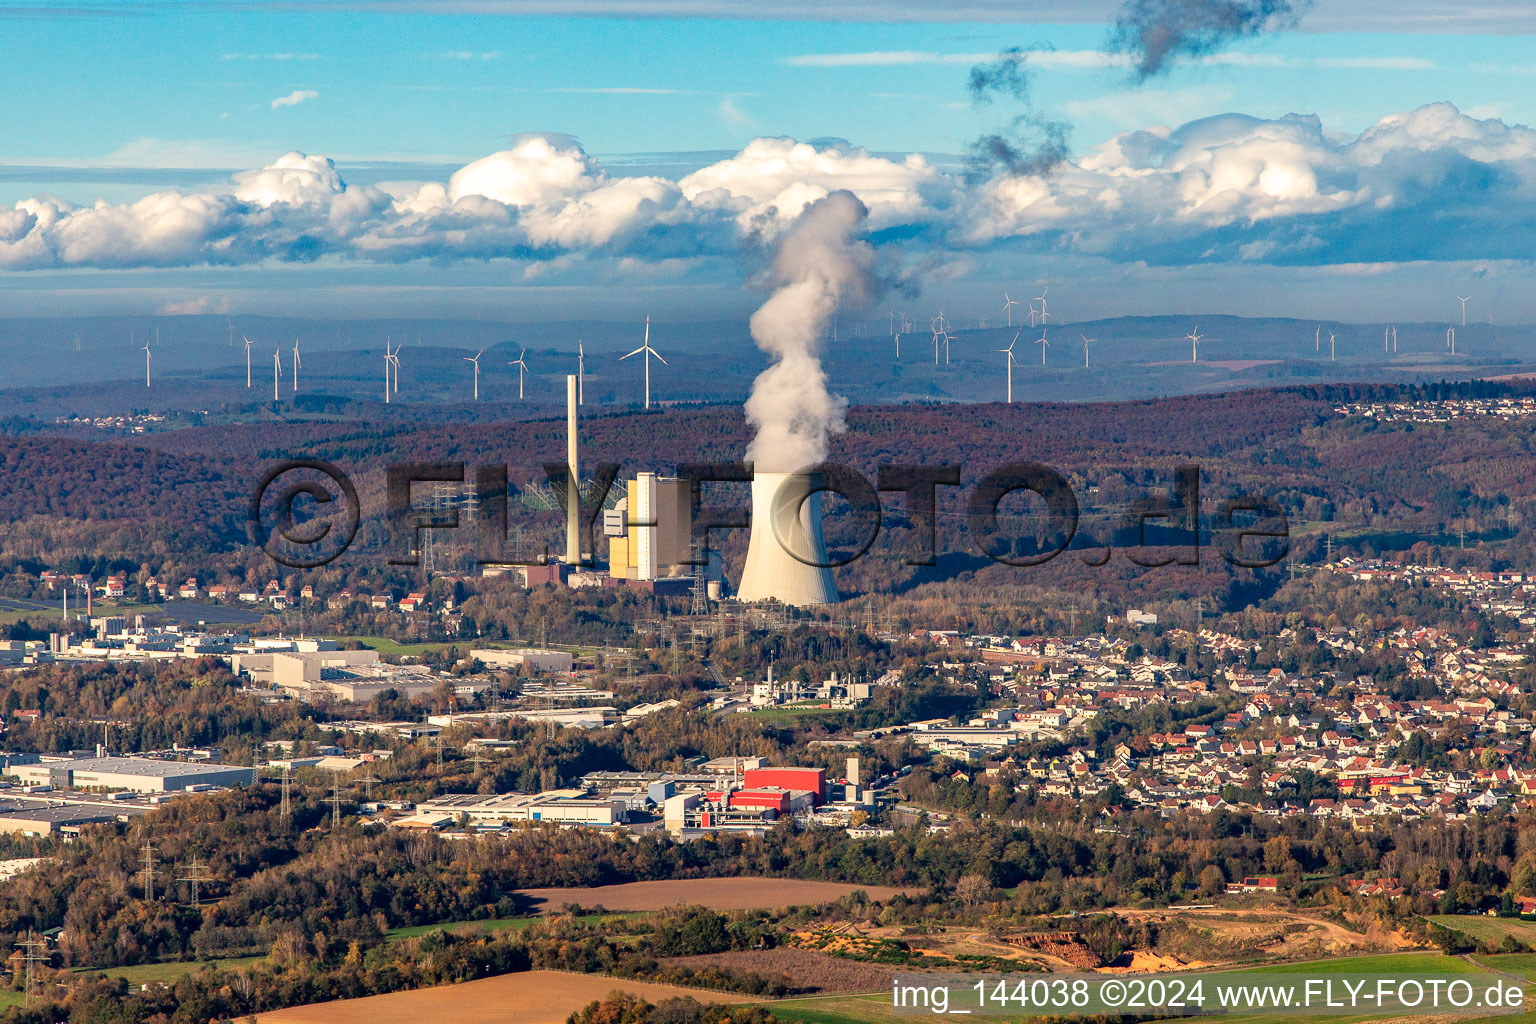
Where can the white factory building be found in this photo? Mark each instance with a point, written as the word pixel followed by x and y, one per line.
pixel 354 677
pixel 531 658
pixel 137 774
pixel 562 806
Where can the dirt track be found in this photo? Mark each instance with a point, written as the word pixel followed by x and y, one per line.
pixel 532 997
pixel 714 893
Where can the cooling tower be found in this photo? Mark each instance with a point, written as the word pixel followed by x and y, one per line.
pixel 778 514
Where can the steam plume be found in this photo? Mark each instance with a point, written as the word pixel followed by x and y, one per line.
pixel 822 262
pixel 1154 33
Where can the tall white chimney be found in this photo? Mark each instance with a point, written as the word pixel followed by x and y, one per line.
pixel 572 488
pixel 784 520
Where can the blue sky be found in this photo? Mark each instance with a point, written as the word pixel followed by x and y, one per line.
pixel 195 89
pixel 192 92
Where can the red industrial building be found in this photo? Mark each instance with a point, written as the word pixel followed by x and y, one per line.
pixel 774 799
pixel 812 780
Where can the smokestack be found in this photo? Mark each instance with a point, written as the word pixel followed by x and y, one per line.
pixel 786 524
pixel 572 489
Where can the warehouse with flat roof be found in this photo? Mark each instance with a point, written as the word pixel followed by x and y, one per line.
pixel 32 820
pixel 138 774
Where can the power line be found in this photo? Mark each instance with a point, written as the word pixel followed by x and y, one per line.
pixel 336 801
pixel 35 953
pixel 194 877
pixel 148 858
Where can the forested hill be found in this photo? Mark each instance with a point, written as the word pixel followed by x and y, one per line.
pixel 187 491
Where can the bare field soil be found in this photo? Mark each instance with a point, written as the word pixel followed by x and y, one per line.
pixel 806 969
pixel 714 893
pixel 531 997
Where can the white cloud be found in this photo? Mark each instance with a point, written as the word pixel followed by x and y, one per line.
pixel 1149 105
pixel 777 178
pixel 1376 63
pixel 897 58
pixel 883 59
pixel 1093 60
pixel 294 98
pixel 734 116
pixel 1431 184
pixel 624 90
pixel 534 171
pixel 271 56
pixel 295 179
pixel 200 306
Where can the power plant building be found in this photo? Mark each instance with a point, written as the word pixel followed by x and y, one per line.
pixel 648 532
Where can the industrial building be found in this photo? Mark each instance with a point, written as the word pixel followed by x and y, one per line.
pixel 809 780
pixel 354 677
pixel 138 774
pixel 834 691
pixel 531 658
pixel 297 668
pixel 562 806
pixel 762 796
pixel 648 535
pixel 582 718
pixel 35 819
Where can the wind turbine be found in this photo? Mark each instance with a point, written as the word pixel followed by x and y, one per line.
pixel 296 362
pixel 646 348
pixel 77 341
pixel 935 343
pixel 1386 339
pixel 521 366
pixel 146 364
pixel 1008 354
pixel 1194 344
pixel 1008 305
pixel 1043 345
pixel 581 373
pixel 1394 339
pixel 1317 340
pixel 277 370
pixel 247 359
pixel 1450 337
pixel 1330 346
pixel 476 360
pixel 1086 342
pixel 389 362
pixel 1463 299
